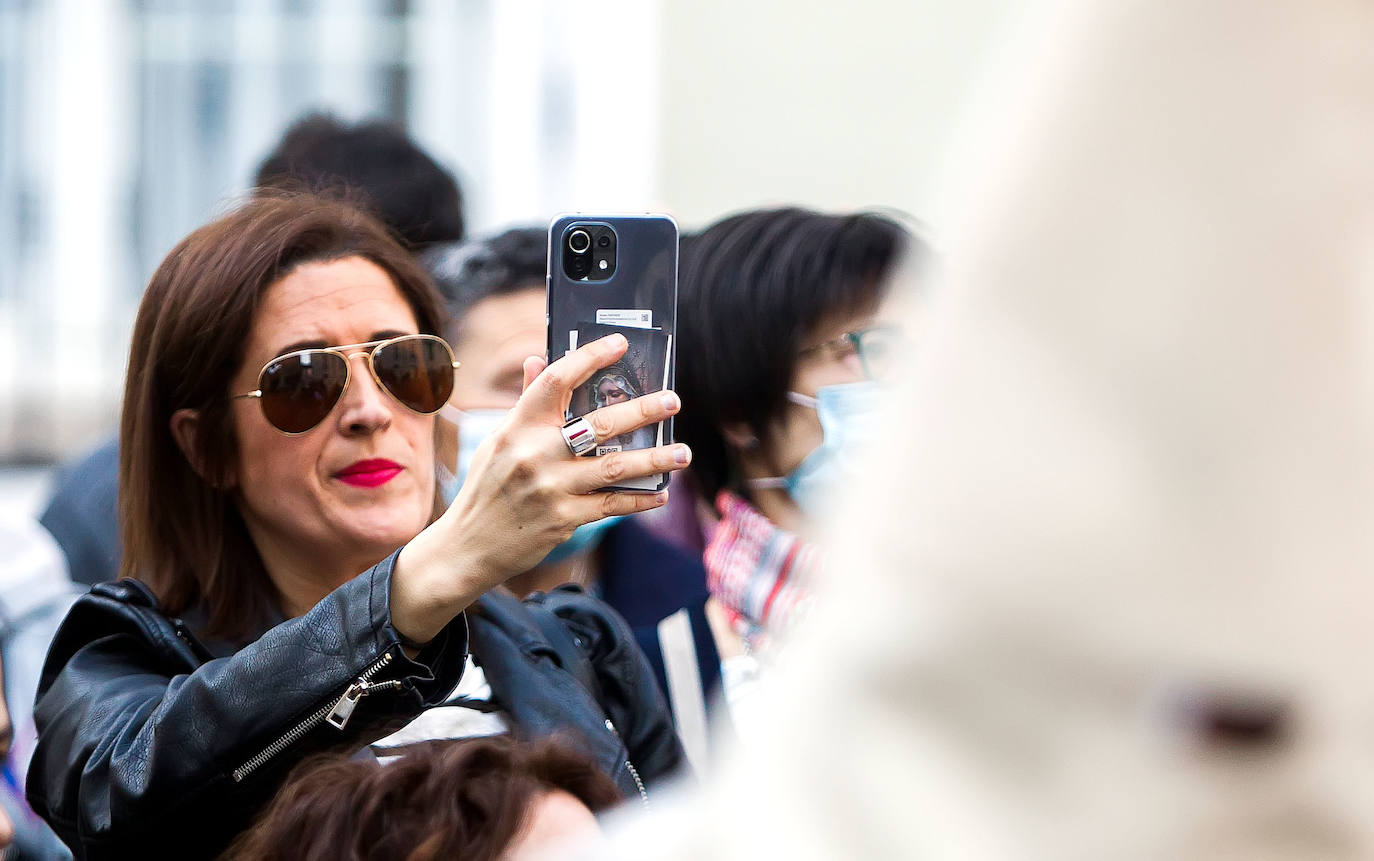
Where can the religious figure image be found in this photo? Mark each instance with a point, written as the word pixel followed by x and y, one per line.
pixel 640 371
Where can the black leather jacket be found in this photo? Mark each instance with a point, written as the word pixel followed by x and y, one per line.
pixel 154 744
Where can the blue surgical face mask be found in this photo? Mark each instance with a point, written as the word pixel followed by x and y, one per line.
pixel 474 426
pixel 849 414
pixel 584 539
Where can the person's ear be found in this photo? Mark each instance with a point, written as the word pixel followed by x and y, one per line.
pixel 185 427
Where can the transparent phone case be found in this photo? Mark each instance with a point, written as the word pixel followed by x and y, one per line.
pixel 636 295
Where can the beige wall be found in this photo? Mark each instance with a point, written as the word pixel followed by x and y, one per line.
pixel 834 105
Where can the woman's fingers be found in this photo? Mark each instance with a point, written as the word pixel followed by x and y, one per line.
pixel 595 506
pixel 547 395
pixel 618 419
pixel 532 367
pixel 594 473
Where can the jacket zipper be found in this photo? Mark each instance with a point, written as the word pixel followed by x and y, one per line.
pixel 184 634
pixel 336 713
pixel 634 772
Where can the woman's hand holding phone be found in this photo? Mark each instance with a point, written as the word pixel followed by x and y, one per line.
pixel 525 492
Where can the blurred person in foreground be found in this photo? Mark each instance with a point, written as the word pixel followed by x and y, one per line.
pixel 35 594
pixel 1107 592
pixel 495 293
pixel 10 782
pixel 305 587
pixel 785 339
pixel 24 836
pixel 372 164
pixel 476 800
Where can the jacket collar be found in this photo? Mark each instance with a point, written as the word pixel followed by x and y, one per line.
pixel 539 696
pixel 197 618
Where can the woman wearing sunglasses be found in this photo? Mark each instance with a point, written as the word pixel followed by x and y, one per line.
pixel 304 590
pixel 784 314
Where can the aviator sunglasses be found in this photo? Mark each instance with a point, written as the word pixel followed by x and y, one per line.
pixel 299 390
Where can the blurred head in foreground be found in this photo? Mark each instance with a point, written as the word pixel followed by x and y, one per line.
pixel 478 799
pixel 1123 545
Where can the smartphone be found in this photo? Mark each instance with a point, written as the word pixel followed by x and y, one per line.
pixel 617 273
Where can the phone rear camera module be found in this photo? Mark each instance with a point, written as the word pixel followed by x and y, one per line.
pixel 589 251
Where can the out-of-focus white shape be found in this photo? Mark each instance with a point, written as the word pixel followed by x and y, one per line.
pixel 683 675
pixel 572 108
pixel 739 685
pixel 832 105
pixel 64 359
pixel 513 133
pixel 1134 463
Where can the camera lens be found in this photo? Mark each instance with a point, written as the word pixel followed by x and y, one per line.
pixel 604 241
pixel 579 241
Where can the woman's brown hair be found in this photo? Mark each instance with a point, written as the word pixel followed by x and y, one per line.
pixel 180 525
pixel 466 799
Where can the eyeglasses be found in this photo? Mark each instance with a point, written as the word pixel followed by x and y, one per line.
pixel 879 349
pixel 299 390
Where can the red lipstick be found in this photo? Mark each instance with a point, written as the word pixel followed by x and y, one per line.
pixel 369 473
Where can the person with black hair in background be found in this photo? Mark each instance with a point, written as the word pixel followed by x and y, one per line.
pixel 495 294
pixel 374 165
pixel 782 344
pixel 377 167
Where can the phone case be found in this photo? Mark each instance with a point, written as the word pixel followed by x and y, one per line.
pixel 638 298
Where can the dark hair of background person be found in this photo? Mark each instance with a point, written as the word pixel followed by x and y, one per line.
pixel 375 165
pixel 468 272
pixel 466 799
pixel 182 532
pixel 751 289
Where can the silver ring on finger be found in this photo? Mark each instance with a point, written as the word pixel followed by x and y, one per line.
pixel 579 436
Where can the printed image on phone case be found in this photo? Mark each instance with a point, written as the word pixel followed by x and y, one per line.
pixel 642 370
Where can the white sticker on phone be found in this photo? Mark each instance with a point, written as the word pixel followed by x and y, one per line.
pixel 607 449
pixel 632 318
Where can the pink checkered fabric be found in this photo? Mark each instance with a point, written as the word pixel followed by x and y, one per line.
pixel 757 570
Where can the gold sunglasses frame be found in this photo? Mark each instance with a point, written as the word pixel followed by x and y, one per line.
pixel 347 352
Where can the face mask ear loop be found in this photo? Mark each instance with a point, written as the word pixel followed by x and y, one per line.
pixel 772 482
pixel 809 402
pixel 802 400
pixel 769 482
pixel 451 413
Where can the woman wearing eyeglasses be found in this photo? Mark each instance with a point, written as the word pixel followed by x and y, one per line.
pixel 784 344
pixel 304 591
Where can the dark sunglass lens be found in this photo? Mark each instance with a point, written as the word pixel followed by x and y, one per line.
pixel 417 371
pixel 299 390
